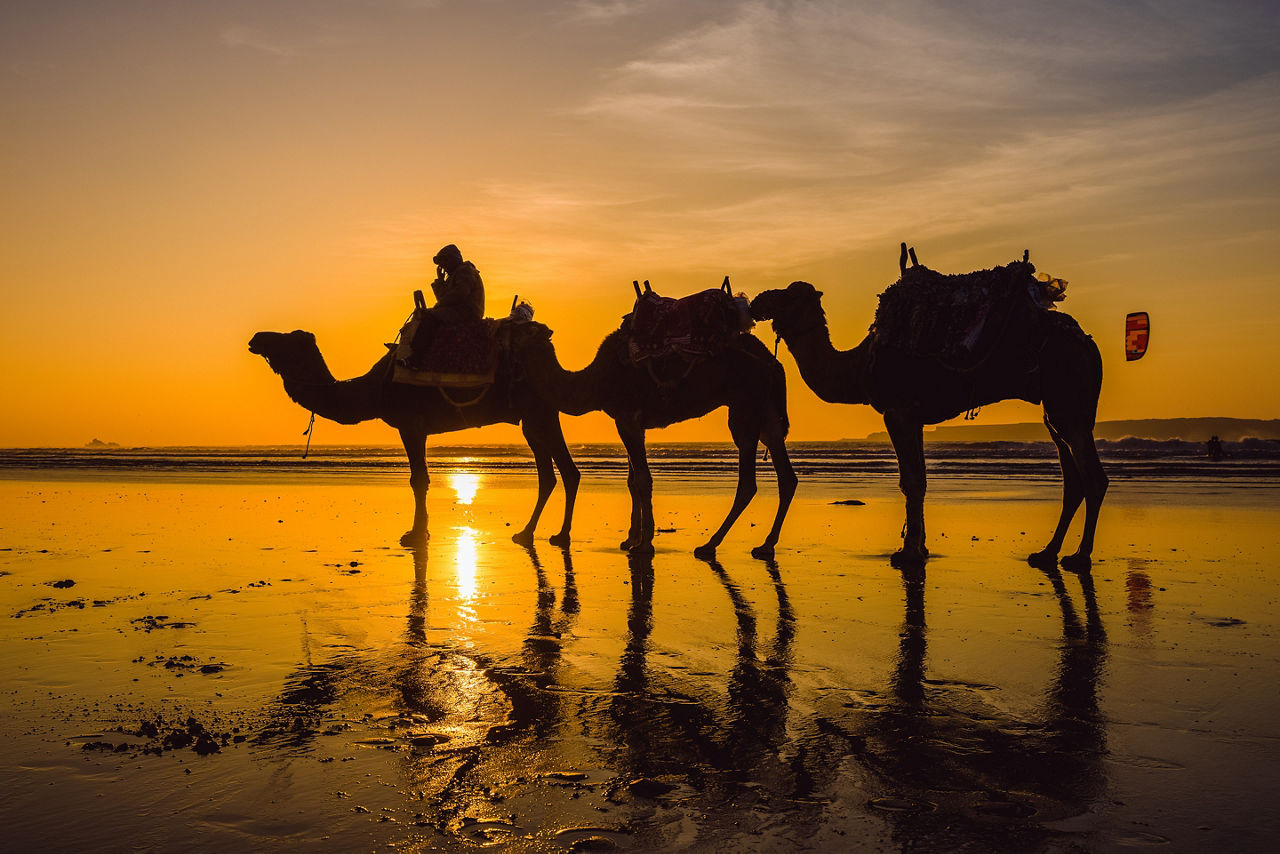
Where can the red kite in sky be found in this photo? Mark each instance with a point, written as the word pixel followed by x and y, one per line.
pixel 1137 332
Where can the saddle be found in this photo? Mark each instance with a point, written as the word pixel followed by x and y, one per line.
pixel 695 326
pixel 461 354
pixel 960 319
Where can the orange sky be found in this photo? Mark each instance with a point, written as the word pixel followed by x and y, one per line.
pixel 180 175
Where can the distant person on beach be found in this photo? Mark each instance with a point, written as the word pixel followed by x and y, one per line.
pixel 459 293
pixel 1214 448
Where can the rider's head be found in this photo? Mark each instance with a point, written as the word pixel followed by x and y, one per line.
pixel 448 258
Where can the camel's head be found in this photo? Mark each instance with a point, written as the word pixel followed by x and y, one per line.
pixel 282 349
pixel 793 308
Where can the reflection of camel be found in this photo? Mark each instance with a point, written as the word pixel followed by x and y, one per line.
pixel 447 708
pixel 745 377
pixel 418 412
pixel 959 774
pixel 912 391
pixel 728 748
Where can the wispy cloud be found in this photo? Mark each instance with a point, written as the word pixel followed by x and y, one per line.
pixel 790 130
pixel 957 113
pixel 606 10
pixel 252 39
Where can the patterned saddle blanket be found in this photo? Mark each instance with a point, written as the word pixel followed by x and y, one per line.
pixel 960 319
pixel 460 355
pixel 698 325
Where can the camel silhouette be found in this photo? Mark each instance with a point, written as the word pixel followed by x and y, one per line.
pixel 418 412
pixel 745 377
pixel 1059 367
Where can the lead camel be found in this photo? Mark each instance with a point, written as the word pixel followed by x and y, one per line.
pixel 419 411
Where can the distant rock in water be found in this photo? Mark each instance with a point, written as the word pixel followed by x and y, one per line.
pixel 98 443
pixel 850 502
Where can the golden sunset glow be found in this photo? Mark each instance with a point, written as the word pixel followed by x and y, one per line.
pixel 177 180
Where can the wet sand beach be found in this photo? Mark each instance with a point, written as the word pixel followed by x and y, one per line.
pixel 252 662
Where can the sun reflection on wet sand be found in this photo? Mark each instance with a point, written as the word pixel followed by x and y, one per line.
pixel 465 484
pixel 464 560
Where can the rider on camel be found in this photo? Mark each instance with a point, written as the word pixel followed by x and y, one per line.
pixel 459 293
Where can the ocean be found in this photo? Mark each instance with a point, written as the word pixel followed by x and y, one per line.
pixel 1251 459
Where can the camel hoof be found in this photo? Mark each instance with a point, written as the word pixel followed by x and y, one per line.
pixel 627 545
pixel 641 549
pixel 706 551
pixel 523 538
pixel 908 558
pixel 561 539
pixel 1043 560
pixel 764 552
pixel 1077 563
pixel 409 539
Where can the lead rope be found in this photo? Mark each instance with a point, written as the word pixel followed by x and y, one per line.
pixel 310 429
pixel 777 339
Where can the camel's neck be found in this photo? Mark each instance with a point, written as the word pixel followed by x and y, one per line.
pixel 572 392
pixel 312 386
pixel 836 376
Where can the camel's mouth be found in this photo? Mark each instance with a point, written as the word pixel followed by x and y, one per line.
pixel 257 344
pixel 763 306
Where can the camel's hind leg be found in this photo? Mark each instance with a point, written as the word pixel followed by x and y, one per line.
pixel 907 435
pixel 569 475
pixel 1093 481
pixel 640 485
pixel 1083 479
pixel 787 482
pixel 1072 495
pixel 546 440
pixel 546 479
pixel 747 438
pixel 1072 378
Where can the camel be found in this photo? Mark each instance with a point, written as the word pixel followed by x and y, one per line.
pixel 910 390
pixel 419 411
pixel 745 377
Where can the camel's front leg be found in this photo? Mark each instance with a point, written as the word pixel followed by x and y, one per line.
pixel 907 435
pixel 640 485
pixel 415 448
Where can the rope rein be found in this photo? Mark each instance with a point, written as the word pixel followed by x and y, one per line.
pixel 311 428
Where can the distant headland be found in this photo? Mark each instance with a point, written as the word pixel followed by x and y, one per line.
pixel 1157 429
